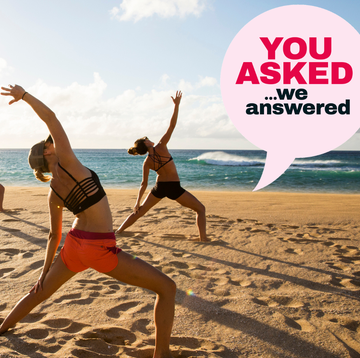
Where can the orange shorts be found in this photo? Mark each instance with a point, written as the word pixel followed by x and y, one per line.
pixel 83 249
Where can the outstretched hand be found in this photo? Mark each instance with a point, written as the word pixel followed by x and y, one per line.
pixel 177 98
pixel 16 91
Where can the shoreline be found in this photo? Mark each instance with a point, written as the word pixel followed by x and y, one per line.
pixel 216 190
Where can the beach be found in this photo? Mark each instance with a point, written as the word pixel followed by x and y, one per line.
pixel 280 278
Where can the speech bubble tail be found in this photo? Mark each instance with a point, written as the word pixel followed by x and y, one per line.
pixel 275 166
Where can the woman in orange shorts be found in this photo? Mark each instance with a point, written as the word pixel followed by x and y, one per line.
pixel 91 241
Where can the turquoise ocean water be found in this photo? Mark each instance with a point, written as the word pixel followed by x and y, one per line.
pixel 234 170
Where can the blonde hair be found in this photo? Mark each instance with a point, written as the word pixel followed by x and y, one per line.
pixel 39 175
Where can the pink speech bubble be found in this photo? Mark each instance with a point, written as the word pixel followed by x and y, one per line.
pixel 293 58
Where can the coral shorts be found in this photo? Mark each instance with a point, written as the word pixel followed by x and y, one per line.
pixel 83 249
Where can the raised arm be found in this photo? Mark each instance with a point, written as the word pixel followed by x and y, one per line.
pixel 61 141
pixel 166 137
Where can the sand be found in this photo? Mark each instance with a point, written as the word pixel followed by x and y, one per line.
pixel 281 278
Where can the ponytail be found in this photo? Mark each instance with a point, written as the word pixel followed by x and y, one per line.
pixel 132 151
pixel 39 175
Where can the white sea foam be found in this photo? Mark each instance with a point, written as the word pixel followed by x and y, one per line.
pixel 222 158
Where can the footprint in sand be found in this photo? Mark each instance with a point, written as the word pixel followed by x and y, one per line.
pixel 33 317
pixel 222 290
pixel 187 222
pixel 13 211
pixel 130 307
pixel 338 266
pixel 348 283
pixel 352 325
pixel 144 254
pixel 127 234
pixel 259 230
pixel 158 209
pixel 212 216
pixel 65 325
pixel 296 323
pixel 125 210
pixel 193 347
pixel 347 254
pixel 143 326
pixel 67 297
pixel 165 217
pixel 178 264
pixel 290 226
pixel 177 254
pixel 5 272
pixel 328 243
pixel 240 282
pixel 294 251
pixel 28 269
pixel 173 237
pixel 274 301
pixel 104 342
pixel 339 238
pixel 37 333
pixel 83 282
pixel 10 252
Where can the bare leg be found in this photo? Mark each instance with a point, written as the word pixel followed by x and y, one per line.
pixel 147 204
pixel 139 273
pixel 189 201
pixel 2 192
pixel 57 276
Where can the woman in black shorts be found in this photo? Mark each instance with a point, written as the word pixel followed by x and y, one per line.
pixel 167 182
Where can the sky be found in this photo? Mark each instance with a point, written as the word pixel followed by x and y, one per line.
pixel 108 69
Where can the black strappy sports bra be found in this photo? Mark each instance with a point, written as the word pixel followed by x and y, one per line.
pixel 78 199
pixel 159 160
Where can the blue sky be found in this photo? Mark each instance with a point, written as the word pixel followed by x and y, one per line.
pixel 108 68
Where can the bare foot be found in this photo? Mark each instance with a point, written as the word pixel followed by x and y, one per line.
pixel 206 239
pixel 198 239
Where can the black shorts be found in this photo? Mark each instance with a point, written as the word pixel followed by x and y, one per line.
pixel 169 189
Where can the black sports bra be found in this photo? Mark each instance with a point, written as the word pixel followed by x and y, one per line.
pixel 159 160
pixel 78 199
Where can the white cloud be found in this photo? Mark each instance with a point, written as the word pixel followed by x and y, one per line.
pixel 5 69
pixel 92 121
pixel 137 9
pixel 164 79
pixel 185 86
pixel 206 82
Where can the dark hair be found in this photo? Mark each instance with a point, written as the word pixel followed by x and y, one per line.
pixel 139 148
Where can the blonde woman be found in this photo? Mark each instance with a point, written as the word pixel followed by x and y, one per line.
pixel 91 241
pixel 167 182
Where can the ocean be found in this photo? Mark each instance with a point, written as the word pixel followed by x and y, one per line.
pixel 231 170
